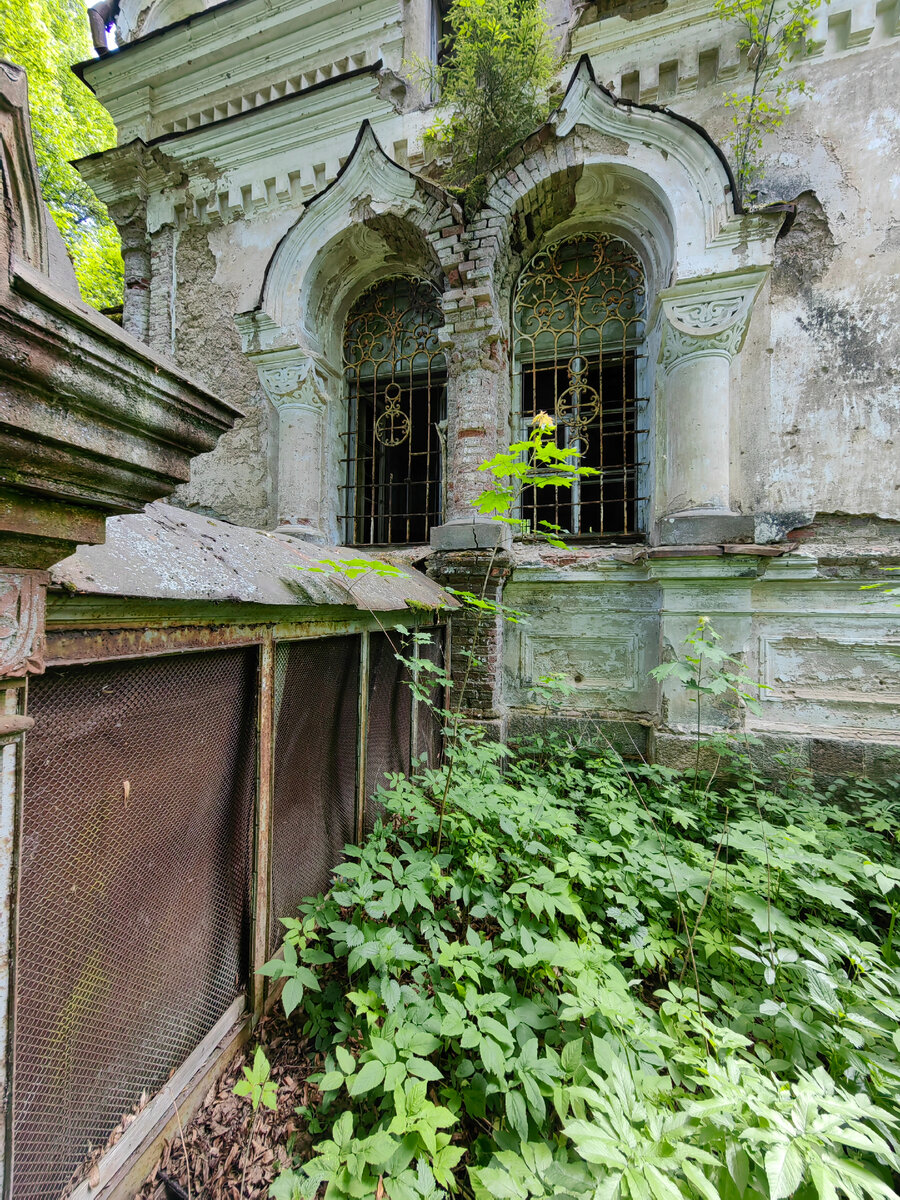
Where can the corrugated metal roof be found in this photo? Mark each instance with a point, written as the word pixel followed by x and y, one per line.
pixel 171 553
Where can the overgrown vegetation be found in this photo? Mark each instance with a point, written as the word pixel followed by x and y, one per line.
pixel 552 973
pixel 774 37
pixel 497 68
pixel 46 37
pixel 611 981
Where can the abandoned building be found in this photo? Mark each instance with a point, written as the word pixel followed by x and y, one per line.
pixel 364 345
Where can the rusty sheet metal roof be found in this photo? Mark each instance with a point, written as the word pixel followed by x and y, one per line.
pixel 170 553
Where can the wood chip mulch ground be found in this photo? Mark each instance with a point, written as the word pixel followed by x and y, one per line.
pixel 218 1160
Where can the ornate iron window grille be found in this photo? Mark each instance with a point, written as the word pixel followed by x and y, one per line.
pixel 578 326
pixel 396 391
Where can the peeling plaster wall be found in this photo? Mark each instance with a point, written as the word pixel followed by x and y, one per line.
pixel 233 481
pixel 818 422
pixel 815 396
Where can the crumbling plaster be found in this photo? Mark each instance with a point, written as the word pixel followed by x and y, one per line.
pixel 807 407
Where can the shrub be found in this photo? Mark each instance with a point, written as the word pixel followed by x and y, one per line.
pixel 602 988
pixel 493 82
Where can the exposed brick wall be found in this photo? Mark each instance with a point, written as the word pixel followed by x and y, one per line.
pixel 476 641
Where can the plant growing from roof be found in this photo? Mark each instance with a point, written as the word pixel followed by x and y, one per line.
pixel 493 82
pixel 774 36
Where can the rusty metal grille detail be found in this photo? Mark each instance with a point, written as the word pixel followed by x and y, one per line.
pixel 396 392
pixel 133 916
pixel 579 324
pixel 314 792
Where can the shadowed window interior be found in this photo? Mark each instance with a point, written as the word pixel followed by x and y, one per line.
pixel 578 323
pixel 396 391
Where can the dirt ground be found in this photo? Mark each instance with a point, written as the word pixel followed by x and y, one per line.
pixel 218 1159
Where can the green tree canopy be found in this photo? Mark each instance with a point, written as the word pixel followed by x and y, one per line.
pixel 46 37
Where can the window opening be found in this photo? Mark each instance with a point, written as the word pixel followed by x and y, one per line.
pixel 579 323
pixel 396 384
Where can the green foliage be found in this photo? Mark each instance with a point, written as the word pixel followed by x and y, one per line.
pixel 599 988
pixel 774 36
pixel 352 568
pixel 535 462
pixel 493 83
pixel 46 37
pixel 256 1083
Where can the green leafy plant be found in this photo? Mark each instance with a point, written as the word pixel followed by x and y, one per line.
pixel 46 37
pixel 261 1090
pixel 256 1083
pixel 509 1017
pixel 773 38
pixel 493 83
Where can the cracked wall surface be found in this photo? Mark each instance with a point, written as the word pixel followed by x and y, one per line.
pixel 814 409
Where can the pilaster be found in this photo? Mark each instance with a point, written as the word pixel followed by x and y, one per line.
pixel 704 323
pixel 478 397
pixel 296 385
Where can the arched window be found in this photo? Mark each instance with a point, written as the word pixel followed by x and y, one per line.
pixel 395 374
pixel 579 323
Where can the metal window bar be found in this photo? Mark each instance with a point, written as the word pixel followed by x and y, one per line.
pixel 396 400
pixel 134 891
pixel 579 324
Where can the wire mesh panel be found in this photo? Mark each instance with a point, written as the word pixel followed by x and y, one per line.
pixel 134 891
pixel 390 716
pixel 428 723
pixel 314 797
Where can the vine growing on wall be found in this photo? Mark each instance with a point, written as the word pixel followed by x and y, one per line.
pixel 774 36
pixel 493 81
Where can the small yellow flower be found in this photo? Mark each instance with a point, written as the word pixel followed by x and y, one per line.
pixel 543 421
pixel 703 621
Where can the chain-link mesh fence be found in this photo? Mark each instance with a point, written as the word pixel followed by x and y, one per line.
pixel 314 796
pixel 134 891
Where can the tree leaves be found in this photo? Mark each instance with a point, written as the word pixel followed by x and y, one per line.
pixel 46 37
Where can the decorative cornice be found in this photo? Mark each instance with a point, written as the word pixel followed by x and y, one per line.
pixel 22 605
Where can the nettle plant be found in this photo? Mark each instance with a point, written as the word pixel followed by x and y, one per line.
pixel 562 975
pixel 774 37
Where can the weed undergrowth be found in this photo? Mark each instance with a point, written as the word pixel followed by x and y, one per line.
pixel 603 988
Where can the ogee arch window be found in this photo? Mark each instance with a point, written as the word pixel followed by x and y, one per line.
pixel 396 404
pixel 578 325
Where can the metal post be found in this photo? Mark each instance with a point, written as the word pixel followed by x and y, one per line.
pixel 414 707
pixel 14 723
pixel 262 849
pixel 362 736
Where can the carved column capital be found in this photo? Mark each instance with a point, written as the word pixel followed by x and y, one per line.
pixel 297 384
pixel 22 609
pixel 294 382
pixel 706 318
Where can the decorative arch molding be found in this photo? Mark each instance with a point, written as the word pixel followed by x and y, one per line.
pixel 375 220
pixel 642 172
pixel 27 224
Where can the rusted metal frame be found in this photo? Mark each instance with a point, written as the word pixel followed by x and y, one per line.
pixel 73 643
pixel 14 695
pixel 262 822
pixel 362 736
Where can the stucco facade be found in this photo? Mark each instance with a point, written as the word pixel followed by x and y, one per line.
pixel 271 168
